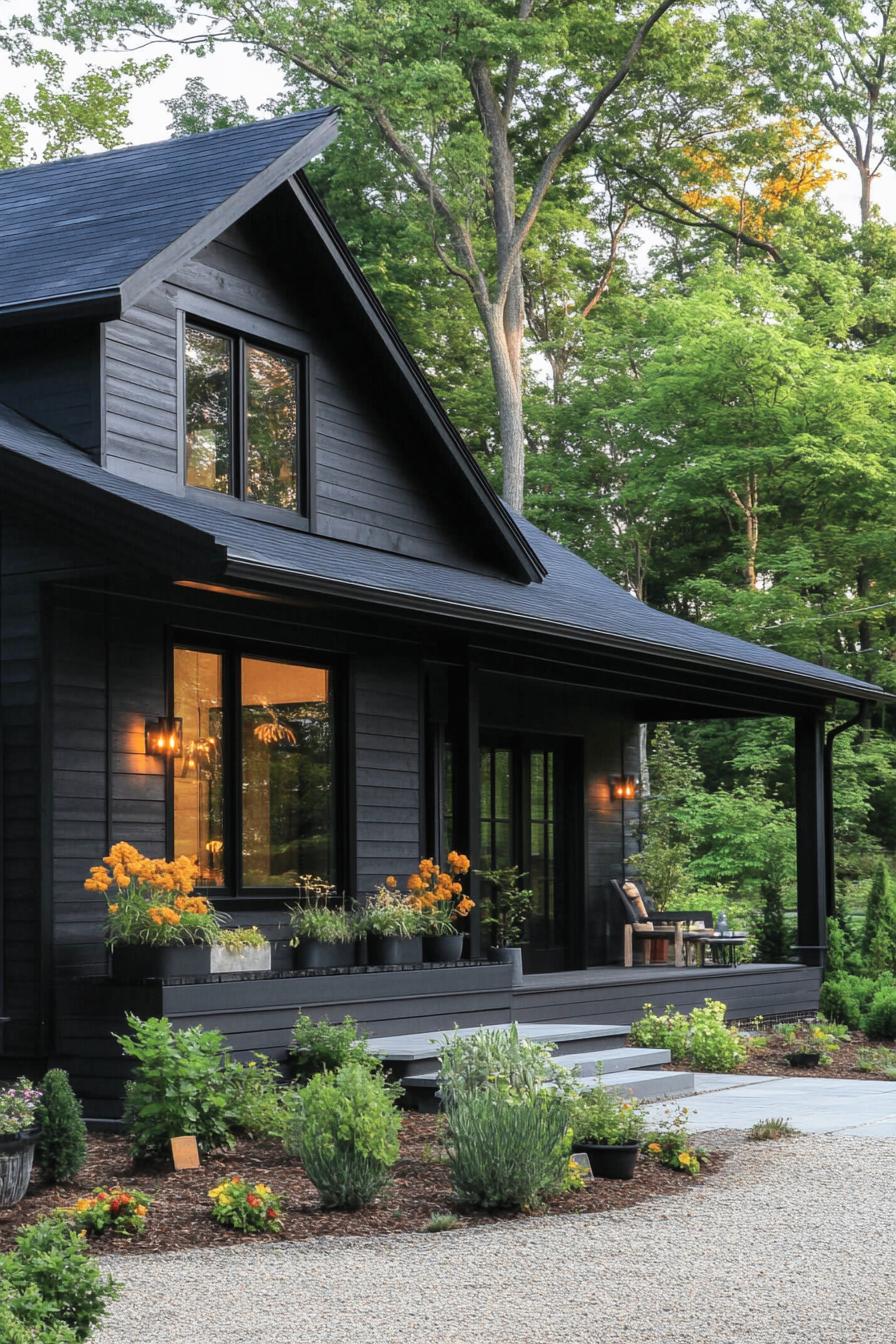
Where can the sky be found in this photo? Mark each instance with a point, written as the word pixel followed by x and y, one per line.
pixel 232 72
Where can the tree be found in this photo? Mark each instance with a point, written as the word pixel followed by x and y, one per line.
pixel 879 939
pixel 773 937
pixel 62 1145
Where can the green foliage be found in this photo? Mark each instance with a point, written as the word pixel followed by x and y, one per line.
pixel 846 998
pixel 246 1206
pixel 879 938
pixel 237 940
pixel 667 846
pixel 506 1149
pixel 701 1038
pixel 49 1284
pixel 498 1059
pixel 62 1146
pixel 604 1116
pixel 257 1102
pixel 179 1086
pixel 344 1130
pixel 316 921
pixel 122 1213
pixel 670 1143
pixel 771 1130
pixel 772 934
pixel 880 1018
pixel 442 1222
pixel 508 904
pixel 877 1059
pixel 319 1046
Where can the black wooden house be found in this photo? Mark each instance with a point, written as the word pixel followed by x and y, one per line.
pixel 226 488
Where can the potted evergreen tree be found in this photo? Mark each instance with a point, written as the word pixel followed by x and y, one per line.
pixel 506 911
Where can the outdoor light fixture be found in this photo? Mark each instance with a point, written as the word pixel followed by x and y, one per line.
pixel 624 787
pixel 164 737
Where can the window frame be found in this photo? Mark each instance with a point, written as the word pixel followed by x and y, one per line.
pixel 232 650
pixel 276 340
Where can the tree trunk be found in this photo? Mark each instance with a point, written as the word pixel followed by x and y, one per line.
pixel 866 177
pixel 748 504
pixel 505 340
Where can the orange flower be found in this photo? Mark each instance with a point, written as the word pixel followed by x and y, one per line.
pixel 415 882
pixel 113 908
pixel 391 883
pixel 465 906
pixel 458 863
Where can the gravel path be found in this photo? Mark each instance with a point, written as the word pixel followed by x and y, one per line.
pixel 792 1242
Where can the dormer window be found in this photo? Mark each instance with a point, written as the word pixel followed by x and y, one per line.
pixel 242 419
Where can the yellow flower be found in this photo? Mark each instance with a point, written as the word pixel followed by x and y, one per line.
pixel 654 1148
pixel 141 1210
pixel 685 1159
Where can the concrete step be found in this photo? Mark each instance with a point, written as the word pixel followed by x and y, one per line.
pixel 648 1085
pixel 418 1054
pixel 608 1062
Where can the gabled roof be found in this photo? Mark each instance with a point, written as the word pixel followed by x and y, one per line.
pixel 100 229
pixel 575 601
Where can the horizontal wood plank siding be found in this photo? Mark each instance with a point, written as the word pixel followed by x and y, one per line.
pixel 387 768
pixel 140 389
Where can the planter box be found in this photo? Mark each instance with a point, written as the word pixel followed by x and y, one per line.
pixel 135 962
pixel 611 1161
pixel 313 955
pixel 510 956
pixel 16 1162
pixel 442 946
pixel 394 951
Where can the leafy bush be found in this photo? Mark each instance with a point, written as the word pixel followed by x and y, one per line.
pixel 327 1045
pixel 257 1100
pixel 670 1144
pixel 880 1019
pixel 498 1059
pixel 505 1149
pixel 772 934
pixel 773 1129
pixel 879 939
pixel 245 1206
pixel 121 1212
pixel 602 1116
pixel 25 1318
pixel 442 1222
pixel 62 1146
pixel 702 1039
pixel 877 1059
pixel 238 940
pixel 50 1282
pixel 847 998
pixel 179 1086
pixel 508 906
pixel 344 1130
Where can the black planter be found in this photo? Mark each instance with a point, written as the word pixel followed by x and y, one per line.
pixel 313 955
pixel 509 956
pixel 390 951
pixel 611 1161
pixel 804 1059
pixel 16 1162
pixel 136 962
pixel 442 946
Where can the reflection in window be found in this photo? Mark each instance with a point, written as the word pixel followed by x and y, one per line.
pixel 271 428
pixel 209 402
pixel 287 772
pixel 496 803
pixel 198 779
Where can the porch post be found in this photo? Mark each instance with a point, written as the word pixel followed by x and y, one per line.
pixel 466 720
pixel 811 839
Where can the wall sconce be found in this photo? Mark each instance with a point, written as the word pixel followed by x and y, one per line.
pixel 623 787
pixel 164 737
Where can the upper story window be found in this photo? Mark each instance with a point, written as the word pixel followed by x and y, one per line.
pixel 243 418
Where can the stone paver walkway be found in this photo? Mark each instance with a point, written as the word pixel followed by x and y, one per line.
pixel 812 1105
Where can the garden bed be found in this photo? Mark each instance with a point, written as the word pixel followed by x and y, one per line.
pixel 179 1217
pixel 770 1059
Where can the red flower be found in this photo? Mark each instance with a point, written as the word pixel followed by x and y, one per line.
pixel 253 1201
pixel 115 1206
pixel 272 1213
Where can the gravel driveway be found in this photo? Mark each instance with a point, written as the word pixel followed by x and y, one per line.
pixel 792 1242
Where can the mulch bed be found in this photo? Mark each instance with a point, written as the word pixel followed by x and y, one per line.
pixel 179 1218
pixel 770 1059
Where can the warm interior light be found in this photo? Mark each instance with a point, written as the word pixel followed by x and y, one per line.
pixel 164 737
pixel 624 787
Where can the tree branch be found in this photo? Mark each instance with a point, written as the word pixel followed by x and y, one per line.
pixel 698 217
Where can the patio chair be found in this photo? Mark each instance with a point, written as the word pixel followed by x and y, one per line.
pixel 645 930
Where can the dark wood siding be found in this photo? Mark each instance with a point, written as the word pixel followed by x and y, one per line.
pixel 387 764
pixel 140 418
pixel 51 375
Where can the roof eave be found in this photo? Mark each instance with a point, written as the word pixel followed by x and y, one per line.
pixel 100 305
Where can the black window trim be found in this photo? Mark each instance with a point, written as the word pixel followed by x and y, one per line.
pixel 263 336
pixel 234 893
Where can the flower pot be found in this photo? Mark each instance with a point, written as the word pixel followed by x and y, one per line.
pixel 391 951
pixel 804 1059
pixel 442 946
pixel 509 956
pixel 136 961
pixel 611 1161
pixel 16 1161
pixel 246 961
pixel 313 955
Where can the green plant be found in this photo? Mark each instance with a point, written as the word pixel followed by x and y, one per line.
pixel 876 1059
pixel 121 1212
pixel 499 1059
pixel 437 895
pixel 702 1038
pixel 257 1100
pixel 19 1105
pixel 390 915
pixel 314 920
pixel 442 1222
pixel 62 1146
pixel 179 1086
pixel 603 1116
pixel 772 935
pixel 317 1046
pixel 880 1019
pixel 508 906
pixel 237 940
pixel 246 1206
pixel 52 1282
pixel 847 998
pixel 507 1149
pixel 670 1143
pixel 661 1031
pixel 775 1128
pixel 820 1037
pixel 879 936
pixel 344 1130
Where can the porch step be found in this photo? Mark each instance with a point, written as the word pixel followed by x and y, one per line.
pixel 610 1062
pixel 418 1054
pixel 649 1085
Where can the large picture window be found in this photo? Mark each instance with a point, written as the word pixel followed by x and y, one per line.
pixel 242 419
pixel 255 787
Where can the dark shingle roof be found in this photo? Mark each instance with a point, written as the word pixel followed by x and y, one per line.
pixel 574 600
pixel 81 227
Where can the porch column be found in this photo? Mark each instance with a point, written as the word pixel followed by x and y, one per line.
pixel 467 788
pixel 811 839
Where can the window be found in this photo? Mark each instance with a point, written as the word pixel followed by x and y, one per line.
pixel 255 788
pixel 242 419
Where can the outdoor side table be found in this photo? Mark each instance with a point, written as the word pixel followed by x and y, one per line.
pixel 727 945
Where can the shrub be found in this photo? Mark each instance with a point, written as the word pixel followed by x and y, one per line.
pixel 498 1059
pixel 344 1129
pixel 602 1116
pixel 62 1146
pixel 442 1222
pixel 773 1129
pixel 52 1282
pixel 245 1206
pixel 702 1039
pixel 880 1019
pixel 257 1101
pixel 179 1087
pixel 670 1144
pixel 121 1212
pixel 509 904
pixel 879 939
pixel 25 1318
pixel 846 998
pixel 772 935
pixel 506 1150
pixel 877 1059
pixel 317 1046
pixel 661 1031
